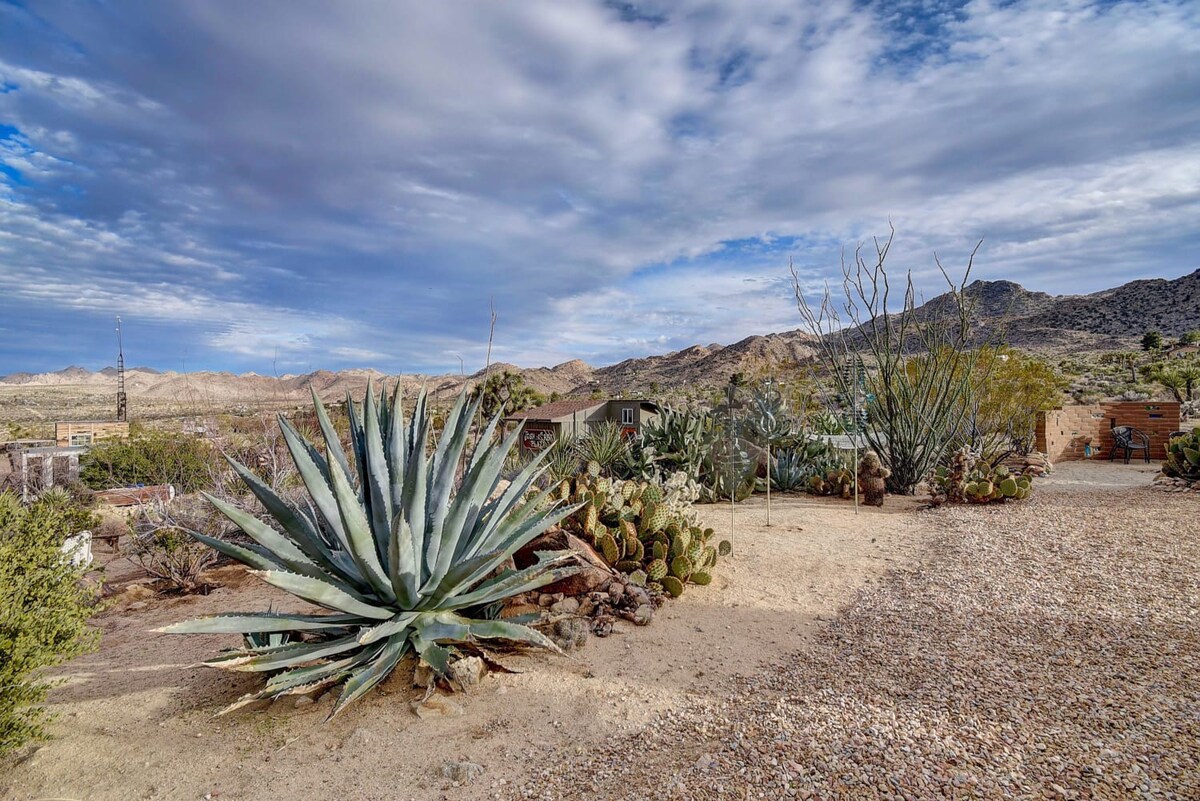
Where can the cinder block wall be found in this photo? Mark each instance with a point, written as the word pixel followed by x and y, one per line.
pixel 1061 433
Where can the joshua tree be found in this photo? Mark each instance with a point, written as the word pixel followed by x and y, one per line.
pixel 918 364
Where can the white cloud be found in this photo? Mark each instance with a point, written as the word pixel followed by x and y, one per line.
pixel 396 165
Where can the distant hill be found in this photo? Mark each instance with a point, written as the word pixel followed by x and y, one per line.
pixel 1110 319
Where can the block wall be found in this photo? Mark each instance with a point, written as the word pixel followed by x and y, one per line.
pixel 1064 434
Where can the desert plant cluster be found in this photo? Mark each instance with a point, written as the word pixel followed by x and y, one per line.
pixel 433 540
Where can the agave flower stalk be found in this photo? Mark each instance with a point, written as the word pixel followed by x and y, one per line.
pixel 398 559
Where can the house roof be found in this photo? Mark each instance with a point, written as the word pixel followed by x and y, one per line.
pixel 557 409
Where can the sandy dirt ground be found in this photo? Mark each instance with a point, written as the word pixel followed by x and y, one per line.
pixel 137 717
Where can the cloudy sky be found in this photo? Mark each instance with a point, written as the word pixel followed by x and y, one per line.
pixel 298 185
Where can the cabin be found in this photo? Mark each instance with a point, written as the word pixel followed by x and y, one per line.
pixel 573 417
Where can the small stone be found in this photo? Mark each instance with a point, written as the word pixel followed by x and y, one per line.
pixel 567 606
pixel 643 615
pixel 468 672
pixel 462 772
pixel 437 706
pixel 303 701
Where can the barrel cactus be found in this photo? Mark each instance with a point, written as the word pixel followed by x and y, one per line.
pixel 398 558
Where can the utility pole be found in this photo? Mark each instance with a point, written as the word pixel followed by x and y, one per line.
pixel 122 403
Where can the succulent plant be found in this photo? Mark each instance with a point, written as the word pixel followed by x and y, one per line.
pixel 643 527
pixel 399 559
pixel 968 479
pixel 1183 456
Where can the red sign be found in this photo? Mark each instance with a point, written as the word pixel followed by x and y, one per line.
pixel 536 439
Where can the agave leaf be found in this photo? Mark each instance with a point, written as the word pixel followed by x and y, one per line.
pixel 377 477
pixel 322 593
pixel 298 525
pixel 285 655
pixel 333 443
pixel 299 676
pixel 433 654
pixel 316 481
pixel 402 564
pixel 282 547
pixel 397 448
pixel 358 532
pixel 364 678
pixel 545 571
pixel 416 480
pixel 441 485
pixel 388 628
pixel 247 557
pixel 358 440
pixel 477 487
pixel 503 630
pixel 260 622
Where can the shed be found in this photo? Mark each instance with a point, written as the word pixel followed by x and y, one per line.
pixel 573 416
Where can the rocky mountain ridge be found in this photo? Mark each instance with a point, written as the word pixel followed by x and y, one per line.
pixel 1110 319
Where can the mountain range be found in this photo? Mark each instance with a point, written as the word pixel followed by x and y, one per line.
pixel 1050 325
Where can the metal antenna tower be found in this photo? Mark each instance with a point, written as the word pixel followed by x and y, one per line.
pixel 122 410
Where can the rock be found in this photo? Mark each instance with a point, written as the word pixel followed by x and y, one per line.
pixel 423 675
pixel 545 600
pixel 593 574
pixel 437 706
pixel 303 701
pixel 468 672
pixel 643 615
pixel 567 606
pixel 462 772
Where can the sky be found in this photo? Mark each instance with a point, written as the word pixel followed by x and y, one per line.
pixel 282 186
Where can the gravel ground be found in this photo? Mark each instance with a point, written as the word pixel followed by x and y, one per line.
pixel 1040 650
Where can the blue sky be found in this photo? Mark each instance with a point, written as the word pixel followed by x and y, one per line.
pixel 298 185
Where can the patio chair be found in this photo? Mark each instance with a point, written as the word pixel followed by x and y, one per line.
pixel 1129 439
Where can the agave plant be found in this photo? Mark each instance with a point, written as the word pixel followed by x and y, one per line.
pixel 399 560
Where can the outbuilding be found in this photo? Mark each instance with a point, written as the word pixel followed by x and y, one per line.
pixel 573 417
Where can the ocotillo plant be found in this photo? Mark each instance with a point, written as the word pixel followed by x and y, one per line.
pixel 918 362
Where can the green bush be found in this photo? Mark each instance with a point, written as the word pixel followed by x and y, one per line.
pixel 149 457
pixel 44 609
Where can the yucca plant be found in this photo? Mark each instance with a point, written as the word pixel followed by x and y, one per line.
pixel 604 443
pixel 399 560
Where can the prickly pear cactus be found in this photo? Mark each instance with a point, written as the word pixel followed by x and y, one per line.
pixel 1183 457
pixel 968 479
pixel 646 530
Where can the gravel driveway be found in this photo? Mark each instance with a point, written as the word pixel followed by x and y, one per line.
pixel 1040 650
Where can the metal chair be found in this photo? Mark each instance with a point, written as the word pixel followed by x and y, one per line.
pixel 1129 439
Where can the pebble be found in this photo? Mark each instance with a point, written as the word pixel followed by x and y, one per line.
pixel 1041 650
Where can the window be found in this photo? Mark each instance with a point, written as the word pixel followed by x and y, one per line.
pixel 80 439
pixel 627 416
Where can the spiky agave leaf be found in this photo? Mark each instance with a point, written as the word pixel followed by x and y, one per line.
pixel 394 550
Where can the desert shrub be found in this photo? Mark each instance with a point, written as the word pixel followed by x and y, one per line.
pixel 150 457
pixel 44 608
pixel 911 369
pixel 161 541
pixel 1008 388
pixel 561 459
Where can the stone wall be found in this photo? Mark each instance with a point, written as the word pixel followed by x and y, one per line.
pixel 1064 434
